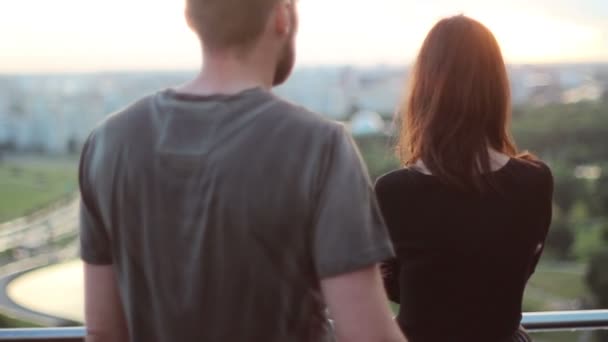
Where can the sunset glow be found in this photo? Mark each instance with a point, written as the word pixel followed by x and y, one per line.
pixel 73 35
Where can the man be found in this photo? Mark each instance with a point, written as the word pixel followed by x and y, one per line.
pixel 217 212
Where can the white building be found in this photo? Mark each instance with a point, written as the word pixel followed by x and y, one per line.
pixel 366 122
pixel 588 91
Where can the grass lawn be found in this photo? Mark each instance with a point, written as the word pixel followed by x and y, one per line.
pixel 29 184
pixel 534 304
pixel 11 322
pixel 551 284
pixel 567 282
pixel 560 336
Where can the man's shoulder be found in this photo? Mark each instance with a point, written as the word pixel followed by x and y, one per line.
pixel 123 128
pixel 302 116
pixel 125 122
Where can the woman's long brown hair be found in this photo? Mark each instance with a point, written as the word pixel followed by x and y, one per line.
pixel 459 104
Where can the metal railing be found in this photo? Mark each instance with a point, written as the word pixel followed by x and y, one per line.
pixel 43 334
pixel 566 320
pixel 533 322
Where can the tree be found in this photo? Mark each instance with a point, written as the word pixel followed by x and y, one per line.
pixel 597 279
pixel 599 199
pixel 73 146
pixel 567 189
pixel 377 153
pixel 560 240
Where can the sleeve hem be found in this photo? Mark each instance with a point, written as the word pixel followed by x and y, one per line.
pixel 96 261
pixel 374 256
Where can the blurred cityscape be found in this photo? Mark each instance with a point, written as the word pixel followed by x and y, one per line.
pixel 560 114
pixel 54 113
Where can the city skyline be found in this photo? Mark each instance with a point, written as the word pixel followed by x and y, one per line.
pixel 74 36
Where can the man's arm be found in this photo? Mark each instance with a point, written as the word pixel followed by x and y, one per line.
pixel 350 241
pixel 104 314
pixel 359 307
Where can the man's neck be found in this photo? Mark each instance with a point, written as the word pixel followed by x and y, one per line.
pixel 227 74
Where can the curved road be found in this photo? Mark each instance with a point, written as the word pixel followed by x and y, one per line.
pixel 32 290
pixel 55 291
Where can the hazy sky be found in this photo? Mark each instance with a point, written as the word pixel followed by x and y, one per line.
pixel 90 35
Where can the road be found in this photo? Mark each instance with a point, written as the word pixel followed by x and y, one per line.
pixel 42 230
pixel 56 291
pixel 29 287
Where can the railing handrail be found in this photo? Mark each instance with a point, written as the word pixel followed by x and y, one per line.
pixel 42 333
pixel 566 320
pixel 538 321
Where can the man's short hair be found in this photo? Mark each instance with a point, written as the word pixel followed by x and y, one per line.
pixel 229 23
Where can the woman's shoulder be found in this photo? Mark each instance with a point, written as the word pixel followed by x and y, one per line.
pixel 397 179
pixel 531 166
pixel 532 171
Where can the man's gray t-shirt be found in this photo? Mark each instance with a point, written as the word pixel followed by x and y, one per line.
pixel 221 214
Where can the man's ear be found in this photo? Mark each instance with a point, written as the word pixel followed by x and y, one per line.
pixel 188 18
pixel 283 17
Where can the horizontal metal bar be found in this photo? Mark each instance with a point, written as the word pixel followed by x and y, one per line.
pixel 566 320
pixel 43 334
pixel 538 321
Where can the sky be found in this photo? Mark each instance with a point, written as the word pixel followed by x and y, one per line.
pixel 100 35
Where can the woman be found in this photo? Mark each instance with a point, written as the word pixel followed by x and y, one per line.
pixel 468 215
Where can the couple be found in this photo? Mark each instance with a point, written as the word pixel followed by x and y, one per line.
pixel 215 211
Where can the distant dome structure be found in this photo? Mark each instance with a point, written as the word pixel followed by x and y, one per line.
pixel 366 122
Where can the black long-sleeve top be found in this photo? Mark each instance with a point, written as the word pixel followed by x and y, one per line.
pixel 463 259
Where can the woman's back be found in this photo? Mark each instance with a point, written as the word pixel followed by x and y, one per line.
pixel 463 258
